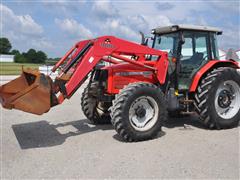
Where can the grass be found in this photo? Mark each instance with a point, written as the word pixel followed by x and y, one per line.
pixel 8 68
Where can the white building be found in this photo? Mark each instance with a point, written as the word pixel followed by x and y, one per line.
pixel 47 70
pixel 6 58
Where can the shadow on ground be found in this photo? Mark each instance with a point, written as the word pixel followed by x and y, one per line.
pixel 42 134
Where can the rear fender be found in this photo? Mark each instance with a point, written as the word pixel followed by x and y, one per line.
pixel 207 68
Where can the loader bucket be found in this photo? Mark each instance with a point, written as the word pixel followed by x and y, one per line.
pixel 30 92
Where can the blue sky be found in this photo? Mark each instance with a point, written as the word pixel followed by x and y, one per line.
pixel 54 26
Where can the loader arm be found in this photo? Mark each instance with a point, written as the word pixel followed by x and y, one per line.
pixel 89 53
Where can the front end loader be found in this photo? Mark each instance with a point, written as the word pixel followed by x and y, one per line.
pixel 136 86
pixel 31 92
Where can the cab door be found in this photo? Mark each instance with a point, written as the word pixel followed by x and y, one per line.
pixel 194 54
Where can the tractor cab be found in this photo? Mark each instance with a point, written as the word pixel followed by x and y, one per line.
pixel 189 48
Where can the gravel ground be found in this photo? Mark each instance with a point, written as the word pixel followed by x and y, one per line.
pixel 61 144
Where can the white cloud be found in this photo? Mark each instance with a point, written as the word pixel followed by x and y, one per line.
pixel 138 22
pixel 23 42
pixel 64 7
pixel 230 38
pixel 42 43
pixel 119 28
pixel 23 24
pixel 146 23
pixel 109 19
pixel 74 29
pixel 104 9
pixel 164 5
pixel 82 20
pixel 23 32
pixel 172 10
pixel 225 6
pixel 181 11
pixel 158 20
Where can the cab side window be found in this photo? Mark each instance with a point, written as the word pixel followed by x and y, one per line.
pixel 201 45
pixel 187 48
pixel 195 50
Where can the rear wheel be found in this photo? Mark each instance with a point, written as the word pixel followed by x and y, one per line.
pixel 97 112
pixel 218 98
pixel 138 112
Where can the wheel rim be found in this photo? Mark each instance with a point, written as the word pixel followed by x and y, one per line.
pixel 143 113
pixel 227 99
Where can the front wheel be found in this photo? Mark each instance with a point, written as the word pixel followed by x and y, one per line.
pixel 96 112
pixel 138 112
pixel 218 98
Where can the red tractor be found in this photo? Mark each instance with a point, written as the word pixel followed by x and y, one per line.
pixel 136 86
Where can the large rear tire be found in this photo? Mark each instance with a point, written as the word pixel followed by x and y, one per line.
pixel 218 98
pixel 96 112
pixel 138 112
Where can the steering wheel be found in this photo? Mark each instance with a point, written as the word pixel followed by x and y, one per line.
pixel 205 55
pixel 205 58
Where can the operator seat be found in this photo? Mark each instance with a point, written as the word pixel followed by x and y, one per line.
pixel 196 59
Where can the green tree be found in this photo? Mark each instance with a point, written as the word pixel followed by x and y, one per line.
pixel 5 46
pixel 30 55
pixel 15 52
pixel 19 58
pixel 41 57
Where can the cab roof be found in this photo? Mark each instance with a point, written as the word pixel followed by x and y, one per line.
pixel 174 28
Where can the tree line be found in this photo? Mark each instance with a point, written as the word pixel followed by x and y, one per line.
pixel 31 56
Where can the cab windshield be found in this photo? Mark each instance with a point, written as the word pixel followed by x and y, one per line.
pixel 167 43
